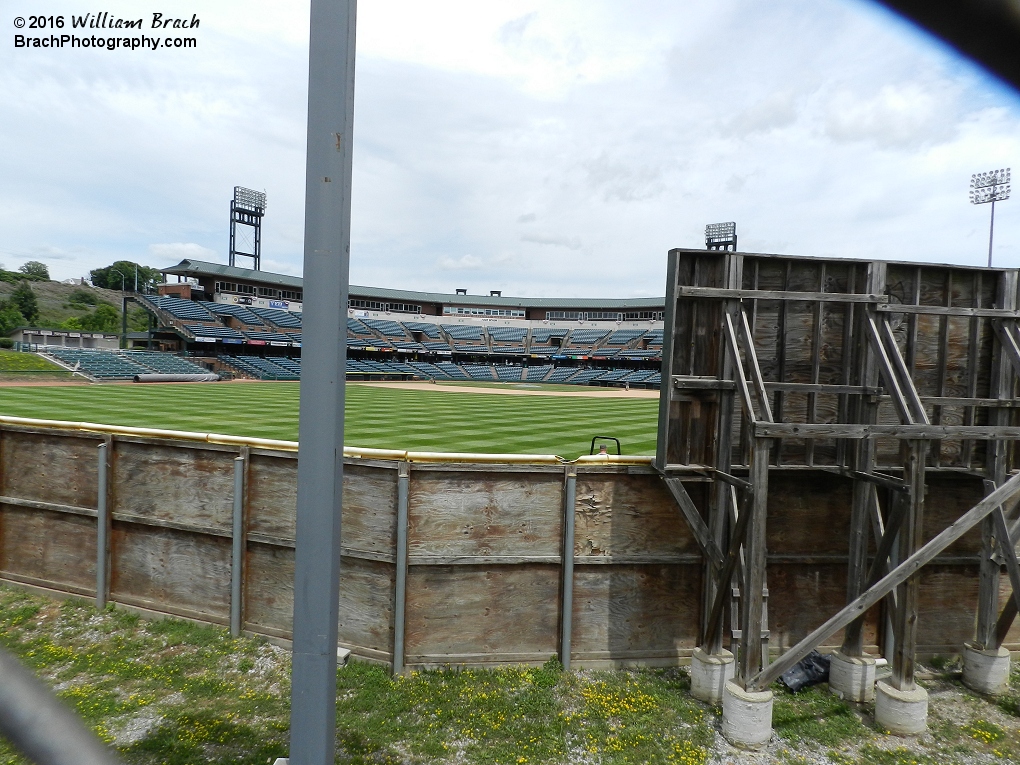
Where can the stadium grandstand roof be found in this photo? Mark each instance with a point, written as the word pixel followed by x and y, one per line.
pixel 199 268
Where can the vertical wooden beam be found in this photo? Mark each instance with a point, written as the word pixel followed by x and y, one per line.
pixel 750 662
pixel 668 341
pixel 911 540
pixel 973 346
pixel 988 634
pixel 400 566
pixel 862 459
pixel 721 492
pixel 567 595
pixel 102 523
pixel 238 543
pixel 816 362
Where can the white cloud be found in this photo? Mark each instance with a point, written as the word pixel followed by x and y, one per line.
pixel 176 251
pixel 463 263
pixel 567 145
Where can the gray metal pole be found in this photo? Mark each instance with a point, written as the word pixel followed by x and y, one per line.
pixel 567 604
pixel 237 555
pixel 40 726
pixel 102 530
pixel 400 587
pixel 324 352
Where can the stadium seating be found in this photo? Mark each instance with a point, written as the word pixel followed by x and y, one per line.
pixel 188 310
pixel 102 365
pixel 561 374
pixel 537 374
pixel 623 337
pixel 429 330
pixel 356 328
pixel 479 371
pixel 584 339
pixel 464 332
pixel 258 367
pixel 508 335
pixel 239 312
pixel 278 317
pixel 214 330
pixel 425 369
pixel 452 370
pixel 164 363
pixel 585 376
pixel 509 373
pixel 269 337
pixel 388 329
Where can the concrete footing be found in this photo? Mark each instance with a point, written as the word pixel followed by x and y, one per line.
pixel 852 678
pixel 986 671
pixel 902 713
pixel 709 673
pixel 747 716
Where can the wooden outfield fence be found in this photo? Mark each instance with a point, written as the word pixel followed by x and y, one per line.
pixel 479 575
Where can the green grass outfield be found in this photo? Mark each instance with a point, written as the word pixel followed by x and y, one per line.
pixel 377 417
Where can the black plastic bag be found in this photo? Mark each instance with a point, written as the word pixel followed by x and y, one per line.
pixel 811 670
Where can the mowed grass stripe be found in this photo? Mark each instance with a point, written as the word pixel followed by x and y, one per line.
pixel 385 418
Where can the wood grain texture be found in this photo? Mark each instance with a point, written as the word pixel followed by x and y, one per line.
pixel 175 568
pixel 49 467
pixel 620 515
pixel 272 495
pixel 186 485
pixel 803 596
pixel 809 513
pixel 269 587
pixel 58 547
pixel 370 509
pixel 623 611
pixel 366 604
pixel 466 610
pixel 946 607
pixel 485 513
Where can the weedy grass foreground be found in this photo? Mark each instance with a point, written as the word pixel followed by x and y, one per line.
pixel 169 691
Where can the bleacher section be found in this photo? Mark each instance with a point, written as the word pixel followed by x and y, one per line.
pixel 164 363
pixel 452 370
pixel 429 330
pixel 464 332
pixel 560 374
pixel 624 337
pixel 239 312
pixel 388 329
pixel 214 330
pixel 259 367
pixel 478 371
pixel 537 374
pixel 585 376
pixel 279 318
pixel 584 340
pixel 188 310
pixel 509 373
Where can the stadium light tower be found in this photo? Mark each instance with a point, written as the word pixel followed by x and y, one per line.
pixel 993 187
pixel 721 236
pixel 247 208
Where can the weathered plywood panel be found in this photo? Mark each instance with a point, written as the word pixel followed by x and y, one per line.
pixel 55 547
pixel 946 613
pixel 177 569
pixel 178 484
pixel 49 467
pixel 269 588
pixel 633 611
pixel 947 498
pixel 485 513
pixel 370 509
pixel 272 495
pixel 458 610
pixel 809 514
pixel 802 596
pixel 366 604
pixel 629 516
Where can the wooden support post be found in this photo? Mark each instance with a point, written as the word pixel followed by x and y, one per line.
pixel 991 626
pixel 567 596
pixel 102 525
pixel 238 543
pixel 400 561
pixel 750 662
pixel 911 540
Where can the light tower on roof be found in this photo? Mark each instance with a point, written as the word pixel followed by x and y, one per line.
pixel 993 187
pixel 721 236
pixel 247 208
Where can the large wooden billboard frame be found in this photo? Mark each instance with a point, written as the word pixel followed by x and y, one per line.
pixel 880 372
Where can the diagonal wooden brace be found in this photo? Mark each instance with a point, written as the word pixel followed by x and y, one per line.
pixel 694 520
pixel 908 568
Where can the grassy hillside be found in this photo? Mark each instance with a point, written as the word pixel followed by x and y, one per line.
pixel 55 305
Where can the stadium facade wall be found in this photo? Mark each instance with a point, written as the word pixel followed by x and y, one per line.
pixel 484 557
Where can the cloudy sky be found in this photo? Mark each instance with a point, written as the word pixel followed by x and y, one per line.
pixel 541 148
